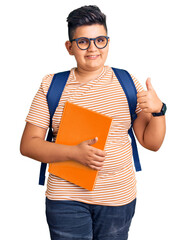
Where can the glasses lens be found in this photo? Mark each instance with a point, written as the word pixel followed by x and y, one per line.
pixel 83 43
pixel 101 42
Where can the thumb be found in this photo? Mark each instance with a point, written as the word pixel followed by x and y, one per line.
pixel 92 141
pixel 149 84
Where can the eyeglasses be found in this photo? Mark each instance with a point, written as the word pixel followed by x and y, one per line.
pixel 84 43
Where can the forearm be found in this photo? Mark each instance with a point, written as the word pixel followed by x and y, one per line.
pixel 46 152
pixel 154 133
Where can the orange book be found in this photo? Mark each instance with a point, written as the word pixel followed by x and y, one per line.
pixel 79 124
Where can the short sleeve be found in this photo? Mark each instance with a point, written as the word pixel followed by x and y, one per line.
pixel 39 112
pixel 139 88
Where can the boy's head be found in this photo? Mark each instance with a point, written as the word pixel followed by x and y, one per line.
pixel 88 40
pixel 86 15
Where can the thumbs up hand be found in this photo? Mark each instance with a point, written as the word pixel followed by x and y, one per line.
pixel 148 100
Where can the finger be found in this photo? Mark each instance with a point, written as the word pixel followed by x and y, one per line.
pixel 95 167
pixel 143 105
pixel 141 100
pixel 96 164
pixel 142 94
pixel 149 84
pixel 99 152
pixel 91 141
pixel 146 110
pixel 98 159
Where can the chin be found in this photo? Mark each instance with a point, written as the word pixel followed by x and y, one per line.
pixel 94 65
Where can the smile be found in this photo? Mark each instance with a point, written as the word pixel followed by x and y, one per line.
pixel 92 57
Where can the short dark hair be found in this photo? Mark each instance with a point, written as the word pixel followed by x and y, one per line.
pixel 86 15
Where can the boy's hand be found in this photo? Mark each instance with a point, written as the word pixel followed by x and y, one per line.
pixel 148 100
pixel 89 156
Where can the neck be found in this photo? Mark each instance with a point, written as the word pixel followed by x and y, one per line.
pixel 83 75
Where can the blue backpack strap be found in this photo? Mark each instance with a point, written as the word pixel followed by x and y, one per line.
pixel 131 94
pixel 53 96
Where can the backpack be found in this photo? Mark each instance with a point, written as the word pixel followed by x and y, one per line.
pixel 54 94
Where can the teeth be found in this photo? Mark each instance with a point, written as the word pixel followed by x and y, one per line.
pixel 92 56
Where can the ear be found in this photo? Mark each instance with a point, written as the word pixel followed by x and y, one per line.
pixel 68 46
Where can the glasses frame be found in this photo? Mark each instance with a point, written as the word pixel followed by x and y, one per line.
pixel 90 39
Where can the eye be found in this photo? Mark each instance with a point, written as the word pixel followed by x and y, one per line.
pixel 100 39
pixel 83 41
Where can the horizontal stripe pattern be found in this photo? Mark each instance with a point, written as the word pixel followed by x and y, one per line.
pixel 116 182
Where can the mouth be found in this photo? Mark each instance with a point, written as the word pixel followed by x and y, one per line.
pixel 93 57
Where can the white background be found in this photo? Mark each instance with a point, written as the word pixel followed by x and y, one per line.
pixel 147 39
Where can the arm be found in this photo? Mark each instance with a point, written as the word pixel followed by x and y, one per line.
pixel 34 146
pixel 149 130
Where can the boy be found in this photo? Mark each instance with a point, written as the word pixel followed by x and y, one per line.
pixel 106 212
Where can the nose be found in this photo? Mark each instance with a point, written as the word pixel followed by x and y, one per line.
pixel 92 46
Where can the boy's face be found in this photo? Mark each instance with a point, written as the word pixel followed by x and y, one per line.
pixel 93 58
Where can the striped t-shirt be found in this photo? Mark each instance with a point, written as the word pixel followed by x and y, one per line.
pixel 116 183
